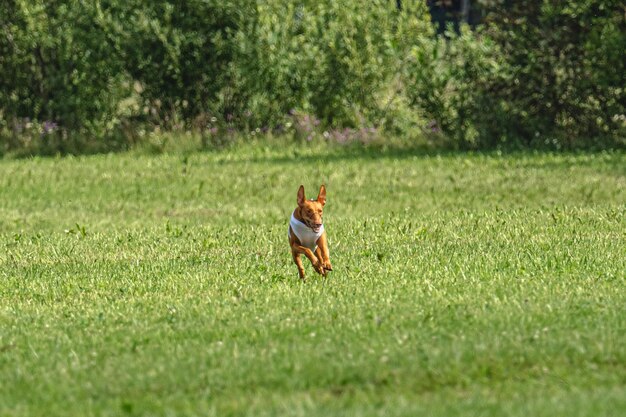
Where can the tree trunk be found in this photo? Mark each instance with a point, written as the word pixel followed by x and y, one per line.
pixel 465 9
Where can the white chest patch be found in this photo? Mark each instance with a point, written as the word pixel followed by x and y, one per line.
pixel 305 234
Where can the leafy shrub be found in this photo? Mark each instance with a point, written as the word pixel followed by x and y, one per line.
pixel 57 66
pixel 108 73
pixel 449 79
pixel 125 65
pixel 540 73
pixel 181 54
pixel 566 66
pixel 324 58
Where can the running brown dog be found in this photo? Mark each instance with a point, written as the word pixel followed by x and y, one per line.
pixel 307 235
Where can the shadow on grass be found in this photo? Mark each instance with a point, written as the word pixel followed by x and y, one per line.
pixel 536 158
pixel 287 150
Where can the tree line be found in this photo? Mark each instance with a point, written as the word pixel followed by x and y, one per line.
pixel 532 73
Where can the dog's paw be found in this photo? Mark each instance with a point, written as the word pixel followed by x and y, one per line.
pixel 328 266
pixel 319 268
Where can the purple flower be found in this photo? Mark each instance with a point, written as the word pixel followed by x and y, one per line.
pixel 48 126
pixel 433 126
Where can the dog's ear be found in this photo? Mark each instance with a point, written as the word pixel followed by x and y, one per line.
pixel 321 197
pixel 301 197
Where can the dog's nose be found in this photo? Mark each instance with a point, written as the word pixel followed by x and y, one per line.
pixel 318 225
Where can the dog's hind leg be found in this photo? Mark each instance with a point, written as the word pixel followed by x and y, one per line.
pixel 298 261
pixel 317 263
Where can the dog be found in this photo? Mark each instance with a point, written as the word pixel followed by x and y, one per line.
pixel 307 235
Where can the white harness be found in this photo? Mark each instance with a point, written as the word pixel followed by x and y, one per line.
pixel 304 233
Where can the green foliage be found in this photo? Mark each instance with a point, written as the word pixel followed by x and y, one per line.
pixel 115 66
pixel 567 67
pixel 181 54
pixel 108 73
pixel 540 73
pixel 464 284
pixel 57 66
pixel 322 57
pixel 450 80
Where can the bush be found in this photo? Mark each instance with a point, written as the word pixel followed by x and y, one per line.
pixel 449 79
pixel 107 73
pixel 323 57
pixel 567 68
pixel 544 73
pixel 181 55
pixel 57 66
pixel 114 66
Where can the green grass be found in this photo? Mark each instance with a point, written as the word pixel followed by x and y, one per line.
pixel 464 284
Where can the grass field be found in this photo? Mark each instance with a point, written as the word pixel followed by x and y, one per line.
pixel 464 284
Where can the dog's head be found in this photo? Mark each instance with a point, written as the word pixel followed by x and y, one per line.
pixel 311 211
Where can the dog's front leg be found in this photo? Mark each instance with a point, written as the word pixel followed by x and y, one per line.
pixel 319 255
pixel 323 254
